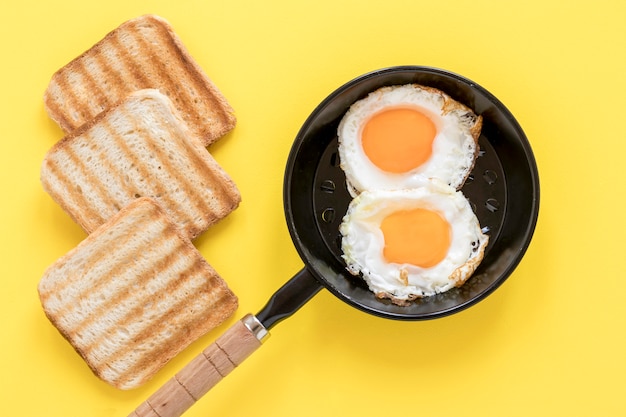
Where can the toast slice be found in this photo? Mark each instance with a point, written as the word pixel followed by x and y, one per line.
pixel 138 148
pixel 134 294
pixel 144 52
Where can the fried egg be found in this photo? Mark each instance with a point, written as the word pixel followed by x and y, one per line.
pixel 399 136
pixel 412 243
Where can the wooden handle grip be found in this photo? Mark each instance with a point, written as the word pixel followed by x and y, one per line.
pixel 201 374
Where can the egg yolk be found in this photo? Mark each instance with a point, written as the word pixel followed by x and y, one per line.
pixel 398 139
pixel 418 236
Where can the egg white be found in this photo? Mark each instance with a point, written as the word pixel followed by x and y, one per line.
pixel 363 242
pixel 454 148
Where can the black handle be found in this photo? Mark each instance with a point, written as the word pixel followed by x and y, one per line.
pixel 289 298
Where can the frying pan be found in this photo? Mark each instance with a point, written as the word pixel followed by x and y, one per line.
pixel 503 190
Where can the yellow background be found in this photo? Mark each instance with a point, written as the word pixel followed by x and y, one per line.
pixel 551 341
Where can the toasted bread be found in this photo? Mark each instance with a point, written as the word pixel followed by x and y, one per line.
pixel 134 294
pixel 144 52
pixel 138 148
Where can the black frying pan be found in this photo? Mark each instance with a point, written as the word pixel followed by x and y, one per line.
pixel 503 190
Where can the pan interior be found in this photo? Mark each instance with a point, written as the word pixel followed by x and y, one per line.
pixel 502 189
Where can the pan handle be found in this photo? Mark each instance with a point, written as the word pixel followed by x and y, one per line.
pixel 228 351
pixel 205 370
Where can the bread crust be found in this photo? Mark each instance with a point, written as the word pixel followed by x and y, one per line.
pixel 144 52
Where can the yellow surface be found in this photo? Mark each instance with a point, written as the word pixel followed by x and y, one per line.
pixel 551 341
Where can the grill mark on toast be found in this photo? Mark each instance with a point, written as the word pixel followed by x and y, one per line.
pixel 212 178
pixel 139 188
pixel 219 185
pixel 159 192
pixel 178 95
pixel 112 79
pixel 54 107
pixel 114 175
pixel 97 152
pixel 184 180
pixel 201 171
pixel 69 95
pixel 128 61
pixel 148 332
pixel 181 278
pixel 106 275
pixel 55 190
pixel 222 301
pixel 213 102
pixel 89 215
pixel 89 264
pixel 94 107
pixel 118 300
pixel 82 110
pixel 204 97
